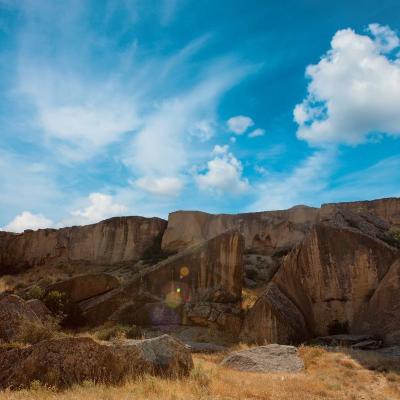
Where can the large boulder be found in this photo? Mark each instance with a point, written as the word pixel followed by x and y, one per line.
pixel 274 318
pixel 208 272
pixel 40 309
pixel 110 242
pixel 14 313
pixel 326 280
pixel 67 361
pixel 381 315
pixel 270 358
pixel 83 287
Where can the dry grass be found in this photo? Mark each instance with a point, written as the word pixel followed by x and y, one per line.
pixel 328 375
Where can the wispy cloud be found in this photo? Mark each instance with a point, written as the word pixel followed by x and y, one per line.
pixel 304 185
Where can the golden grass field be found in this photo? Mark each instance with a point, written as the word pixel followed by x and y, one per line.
pixel 328 375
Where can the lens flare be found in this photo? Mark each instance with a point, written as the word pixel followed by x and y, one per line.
pixel 184 271
pixel 173 299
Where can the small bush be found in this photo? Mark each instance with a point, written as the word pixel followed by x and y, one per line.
pixel 119 332
pixel 134 332
pixel 35 332
pixel 67 311
pixel 35 292
pixel 116 332
pixel 396 234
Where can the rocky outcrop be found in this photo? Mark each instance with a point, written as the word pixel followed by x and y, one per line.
pixel 63 362
pixel 265 232
pixel 113 241
pixel 327 279
pixel 274 319
pixel 83 287
pixel 381 315
pixel 14 312
pixel 386 209
pixel 209 272
pixel 40 309
pixel 270 358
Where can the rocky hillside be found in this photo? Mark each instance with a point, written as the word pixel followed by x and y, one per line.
pixel 308 271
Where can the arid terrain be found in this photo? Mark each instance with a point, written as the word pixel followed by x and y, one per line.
pixel 295 304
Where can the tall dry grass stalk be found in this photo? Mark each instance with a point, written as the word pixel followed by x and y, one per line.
pixel 328 376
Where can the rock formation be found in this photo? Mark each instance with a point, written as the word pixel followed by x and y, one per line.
pixel 265 232
pixel 270 358
pixel 381 315
pixel 113 241
pixel 314 271
pixel 83 287
pixel 326 281
pixel 63 362
pixel 14 312
pixel 208 272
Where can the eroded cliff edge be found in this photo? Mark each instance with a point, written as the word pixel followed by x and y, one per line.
pixel 310 270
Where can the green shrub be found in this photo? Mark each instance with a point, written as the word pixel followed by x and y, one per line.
pixel 134 332
pixel 396 234
pixel 119 332
pixel 66 310
pixel 35 332
pixel 116 332
pixel 35 292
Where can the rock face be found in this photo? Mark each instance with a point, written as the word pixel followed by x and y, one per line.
pixel 13 313
pixel 382 313
pixel 64 362
pixel 40 309
pixel 83 287
pixel 386 209
pixel 328 279
pixel 274 319
pixel 264 232
pixel 209 272
pixel 113 241
pixel 270 358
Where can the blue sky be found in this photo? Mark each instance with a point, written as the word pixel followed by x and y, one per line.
pixel 144 107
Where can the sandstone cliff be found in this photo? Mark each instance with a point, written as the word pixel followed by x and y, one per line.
pixel 264 232
pixel 209 272
pixel 387 209
pixel 113 241
pixel 328 279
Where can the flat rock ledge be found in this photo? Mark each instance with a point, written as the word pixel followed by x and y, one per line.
pixel 270 358
pixel 63 362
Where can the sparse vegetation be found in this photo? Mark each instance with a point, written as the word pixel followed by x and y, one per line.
pixel 34 332
pixel 396 233
pixel 118 332
pixel 342 375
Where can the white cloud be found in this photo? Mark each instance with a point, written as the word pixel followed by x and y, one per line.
pixel 301 186
pixel 162 146
pixel 101 206
pixel 220 149
pixel 165 186
pixel 78 120
pixel 354 90
pixel 224 174
pixel 385 38
pixel 204 130
pixel 256 133
pixel 239 124
pixel 27 220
